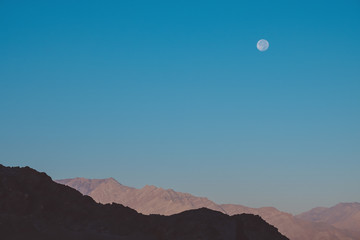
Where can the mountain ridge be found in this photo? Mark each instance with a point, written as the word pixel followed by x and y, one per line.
pixel 153 200
pixel 343 215
pixel 33 206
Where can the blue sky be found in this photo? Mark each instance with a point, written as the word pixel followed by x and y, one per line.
pixel 175 94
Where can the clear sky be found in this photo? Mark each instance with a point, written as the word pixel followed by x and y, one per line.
pixel 175 94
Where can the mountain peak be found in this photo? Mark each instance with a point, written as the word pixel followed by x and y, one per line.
pixel 111 180
pixel 343 215
pixel 155 200
pixel 34 207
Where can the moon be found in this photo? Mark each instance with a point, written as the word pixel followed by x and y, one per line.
pixel 262 45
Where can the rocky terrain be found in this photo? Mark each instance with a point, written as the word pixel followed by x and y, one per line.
pixel 154 200
pixel 343 216
pixel 293 227
pixel 32 206
pixel 147 200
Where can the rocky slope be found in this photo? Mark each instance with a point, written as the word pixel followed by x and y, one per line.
pixel 343 215
pixel 32 206
pixel 292 227
pixel 153 200
pixel 147 200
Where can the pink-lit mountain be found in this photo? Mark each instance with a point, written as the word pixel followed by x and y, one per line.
pixel 33 207
pixel 343 215
pixel 154 200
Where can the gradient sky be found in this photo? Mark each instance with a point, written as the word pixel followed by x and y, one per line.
pixel 175 94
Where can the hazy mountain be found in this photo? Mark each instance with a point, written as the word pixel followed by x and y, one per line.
pixel 153 200
pixel 32 206
pixel 147 200
pixel 343 215
pixel 292 227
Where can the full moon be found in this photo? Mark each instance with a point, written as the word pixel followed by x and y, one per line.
pixel 262 45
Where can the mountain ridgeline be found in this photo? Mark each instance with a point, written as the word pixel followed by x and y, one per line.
pixel 32 206
pixel 343 215
pixel 154 200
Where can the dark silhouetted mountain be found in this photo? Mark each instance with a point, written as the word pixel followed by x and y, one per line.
pixel 154 200
pixel 32 206
pixel 343 216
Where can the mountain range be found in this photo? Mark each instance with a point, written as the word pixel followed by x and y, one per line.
pixel 155 200
pixel 343 215
pixel 32 206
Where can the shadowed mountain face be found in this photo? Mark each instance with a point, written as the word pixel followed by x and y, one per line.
pixel 153 200
pixel 343 215
pixel 32 206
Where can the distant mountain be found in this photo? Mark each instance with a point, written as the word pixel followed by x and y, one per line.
pixel 343 215
pixel 32 206
pixel 147 200
pixel 293 228
pixel 154 200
